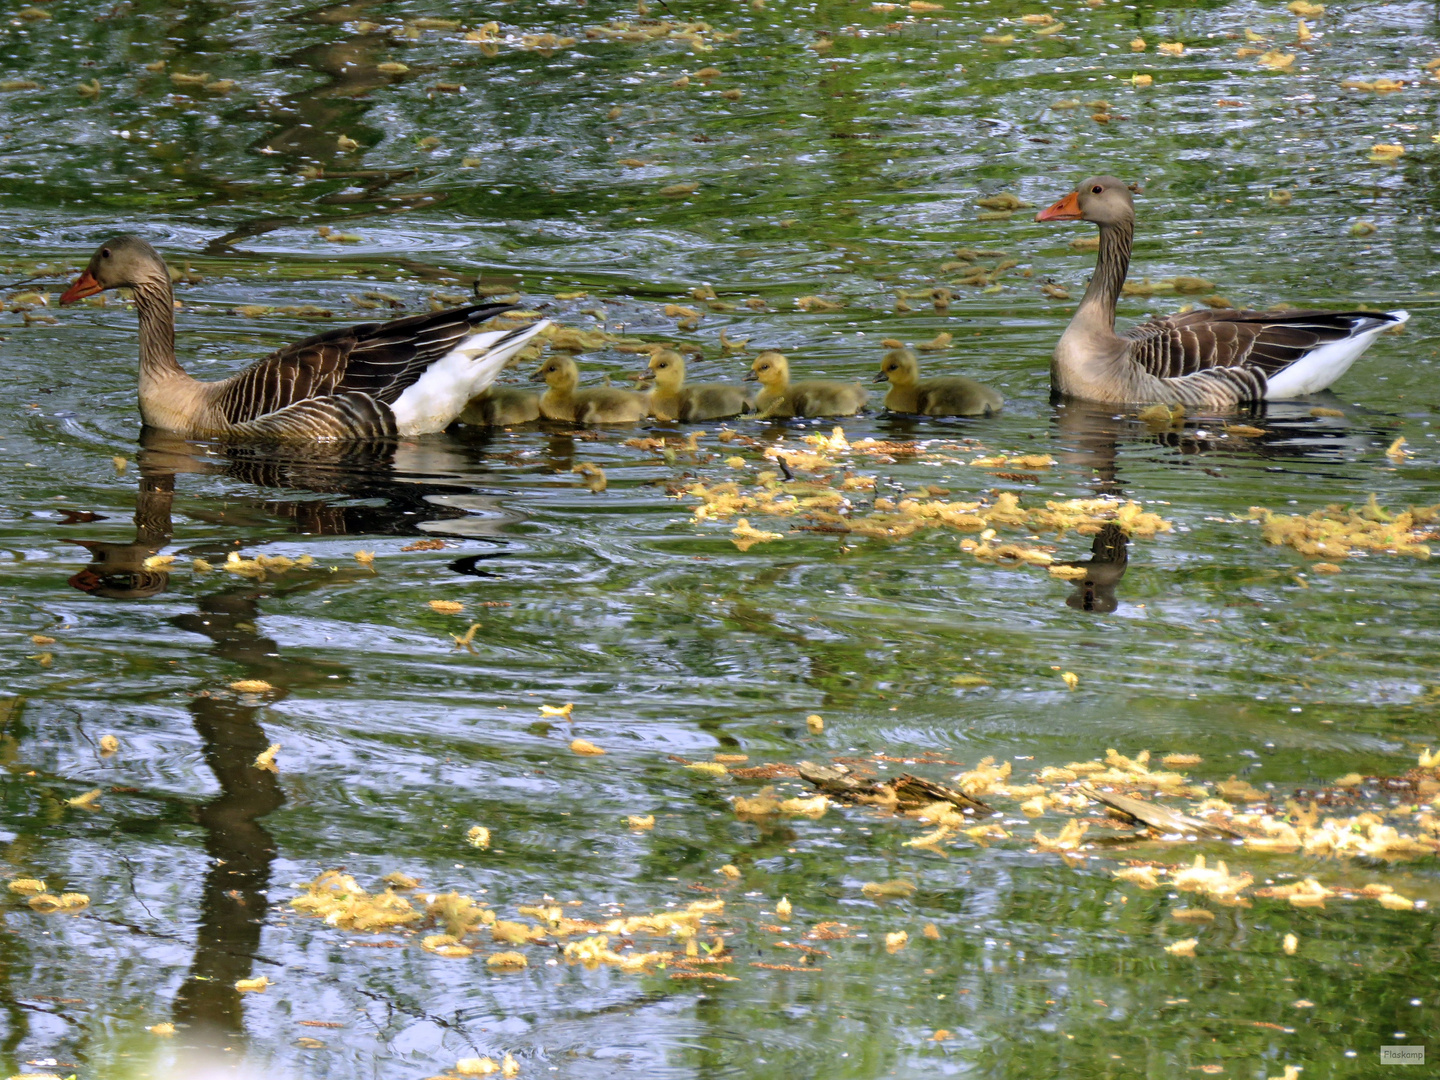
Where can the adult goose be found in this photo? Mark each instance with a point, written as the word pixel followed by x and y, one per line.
pixel 1203 359
pixel 377 380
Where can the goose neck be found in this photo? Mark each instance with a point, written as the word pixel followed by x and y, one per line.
pixel 155 306
pixel 1098 304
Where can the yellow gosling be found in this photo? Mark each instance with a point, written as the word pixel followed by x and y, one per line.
pixel 673 399
pixel 500 406
pixel 593 405
pixel 779 397
pixel 951 395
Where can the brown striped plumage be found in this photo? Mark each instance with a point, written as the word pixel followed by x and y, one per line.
pixel 1202 359
pixel 337 385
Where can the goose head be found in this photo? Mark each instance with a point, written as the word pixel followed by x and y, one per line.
pixel 770 369
pixel 124 262
pixel 558 373
pixel 1105 200
pixel 900 366
pixel 668 367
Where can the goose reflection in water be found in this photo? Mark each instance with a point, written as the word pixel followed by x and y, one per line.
pixel 1109 558
pixel 422 488
pixel 1298 436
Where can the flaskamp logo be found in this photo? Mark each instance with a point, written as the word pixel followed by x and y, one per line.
pixel 1402 1055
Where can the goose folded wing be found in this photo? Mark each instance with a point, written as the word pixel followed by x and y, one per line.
pixel 1269 341
pixel 377 360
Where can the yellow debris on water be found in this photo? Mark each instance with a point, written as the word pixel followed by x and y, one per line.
pixel 88 801
pixel 1171 48
pixel 1386 152
pixel 48 903
pixel 585 748
pixel 896 889
pixel 784 909
pixel 266 758
pixel 708 768
pixel 1070 679
pixel 1275 59
pixel 255 985
pixel 1185 947
pixel 447 607
pixel 1004 201
pixel 338 899
pixel 510 960
pixel 896 941
pixel 26 886
pixel 561 711
pixel 815 723
pixel 164 1030
pixel 747 536
pixel 251 686
pixel 1396 451
pixel 641 821
pixel 478 836
pixel 1193 915
pixel 365 558
pixel 1338 531
pixel 1305 9
pixel 477 1066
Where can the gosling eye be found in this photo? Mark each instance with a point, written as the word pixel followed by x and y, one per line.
pixel 1096 190
pixel 104 253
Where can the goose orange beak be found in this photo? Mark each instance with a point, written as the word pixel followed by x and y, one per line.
pixel 1067 209
pixel 83 286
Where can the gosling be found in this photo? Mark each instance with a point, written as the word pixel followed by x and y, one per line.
pixel 673 399
pixel 779 397
pixel 953 395
pixel 593 405
pixel 501 406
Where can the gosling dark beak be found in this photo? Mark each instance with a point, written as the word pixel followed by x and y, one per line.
pixel 1067 209
pixel 882 377
pixel 83 286
pixel 750 376
pixel 537 377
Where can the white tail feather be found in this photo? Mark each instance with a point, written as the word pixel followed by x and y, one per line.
pixel 438 397
pixel 1320 367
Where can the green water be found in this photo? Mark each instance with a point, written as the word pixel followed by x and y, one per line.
pixel 851 172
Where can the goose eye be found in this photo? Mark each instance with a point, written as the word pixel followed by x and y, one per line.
pixel 104 253
pixel 1096 190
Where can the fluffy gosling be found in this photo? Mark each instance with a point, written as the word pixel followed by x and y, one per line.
pixel 593 405
pixel 673 399
pixel 500 406
pixel 950 395
pixel 779 397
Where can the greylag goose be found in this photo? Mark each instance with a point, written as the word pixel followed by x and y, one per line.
pixel 674 399
pixel 1203 359
pixel 592 405
pixel 950 395
pixel 377 380
pixel 779 397
pixel 500 406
